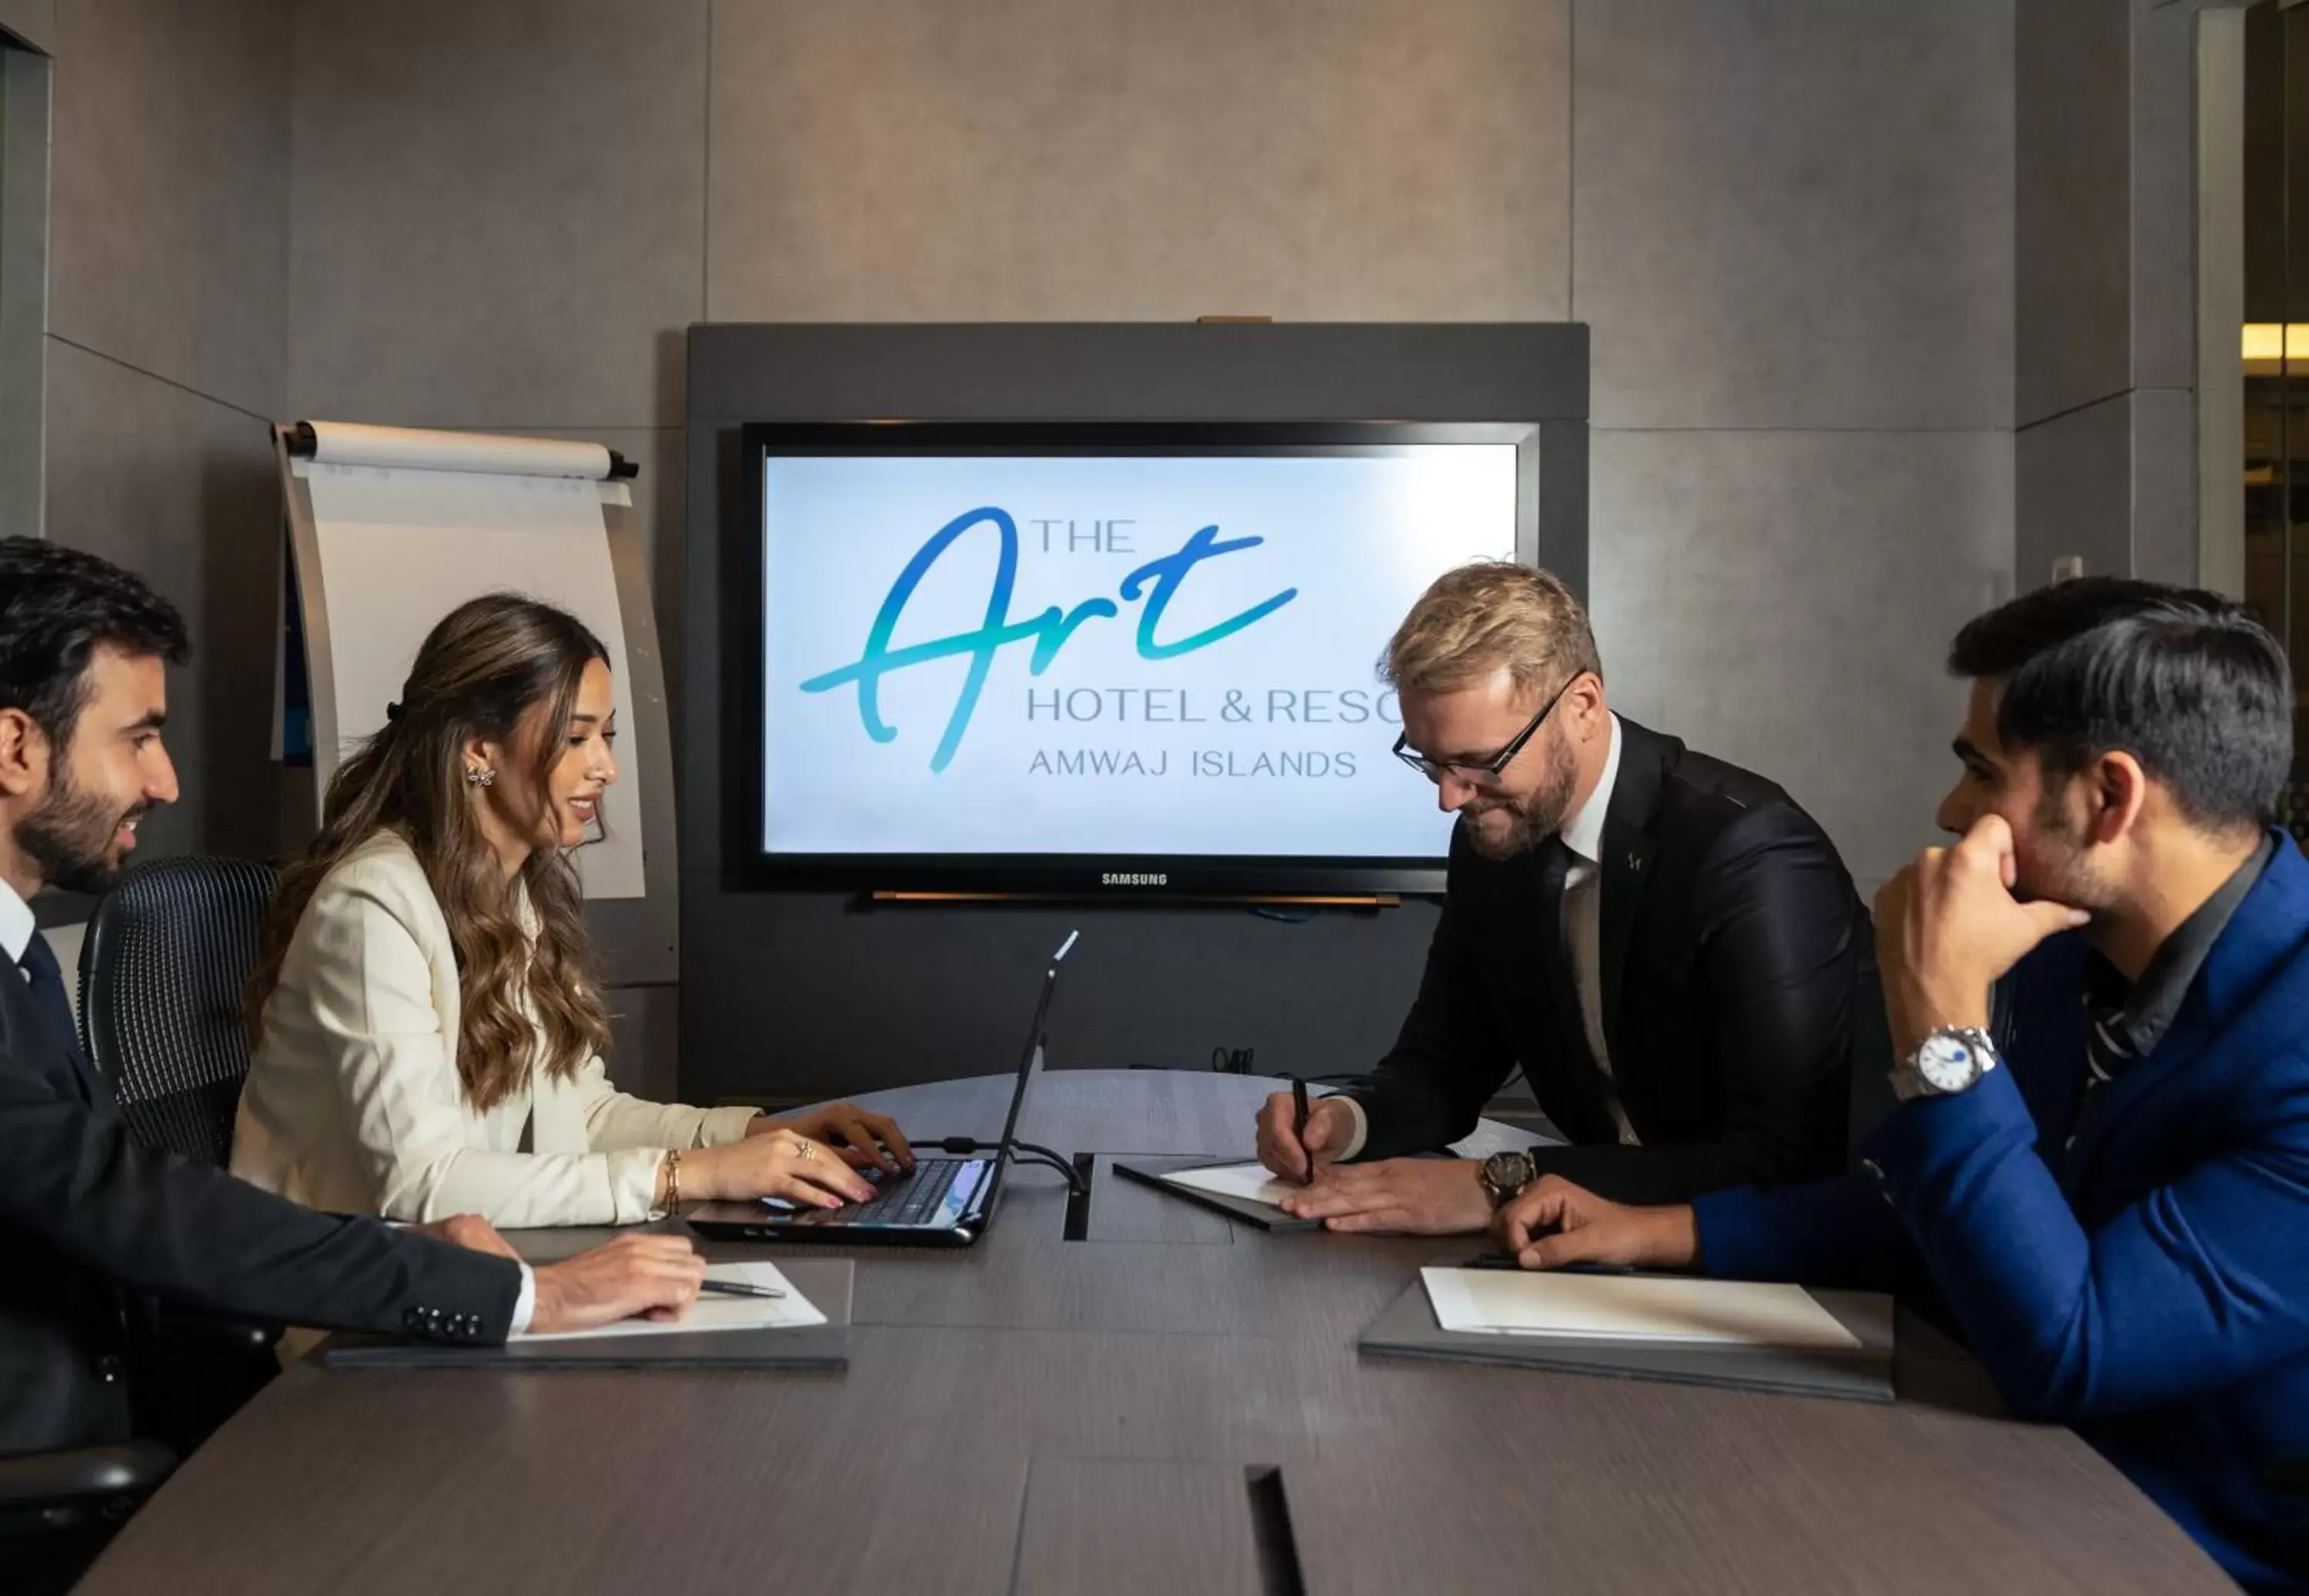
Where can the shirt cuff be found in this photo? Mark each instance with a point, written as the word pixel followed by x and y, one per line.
pixel 632 1173
pixel 525 1306
pixel 1362 1127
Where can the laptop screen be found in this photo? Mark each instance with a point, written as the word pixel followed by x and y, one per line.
pixel 1030 1062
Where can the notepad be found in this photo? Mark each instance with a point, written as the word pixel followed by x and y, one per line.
pixel 1246 1183
pixel 793 1311
pixel 1633 1309
pixel 1490 1136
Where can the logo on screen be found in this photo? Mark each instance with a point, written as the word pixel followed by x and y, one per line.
pixel 1132 878
pixel 1158 580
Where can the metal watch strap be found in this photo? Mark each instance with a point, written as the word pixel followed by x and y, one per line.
pixel 1908 1082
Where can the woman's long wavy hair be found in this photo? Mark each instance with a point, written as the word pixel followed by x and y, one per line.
pixel 504 668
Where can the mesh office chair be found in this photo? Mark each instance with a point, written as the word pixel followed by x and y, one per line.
pixel 160 980
pixel 161 972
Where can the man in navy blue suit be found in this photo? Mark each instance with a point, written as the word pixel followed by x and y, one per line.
pixel 2100 1169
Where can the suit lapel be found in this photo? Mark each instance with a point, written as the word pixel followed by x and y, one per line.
pixel 1629 839
pixel 2266 932
pixel 25 1020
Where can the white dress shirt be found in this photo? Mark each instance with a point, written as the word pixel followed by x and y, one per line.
pixel 17 925
pixel 1583 936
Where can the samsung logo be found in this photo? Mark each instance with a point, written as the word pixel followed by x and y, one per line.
pixel 1126 878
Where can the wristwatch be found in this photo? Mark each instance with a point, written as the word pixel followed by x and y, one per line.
pixel 1504 1176
pixel 1948 1061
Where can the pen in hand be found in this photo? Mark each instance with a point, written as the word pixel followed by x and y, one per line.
pixel 1299 1127
pixel 739 1288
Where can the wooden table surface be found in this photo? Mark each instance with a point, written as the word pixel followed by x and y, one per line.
pixel 1171 1404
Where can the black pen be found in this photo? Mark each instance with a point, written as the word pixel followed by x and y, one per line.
pixel 740 1289
pixel 1299 1130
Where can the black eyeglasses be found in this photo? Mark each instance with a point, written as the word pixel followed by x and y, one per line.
pixel 1488 774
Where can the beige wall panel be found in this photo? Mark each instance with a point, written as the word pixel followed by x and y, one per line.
pixel 499 210
pixel 1785 600
pixel 1796 213
pixel 1113 159
pixel 168 248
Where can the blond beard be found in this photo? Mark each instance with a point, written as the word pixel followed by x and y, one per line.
pixel 1538 816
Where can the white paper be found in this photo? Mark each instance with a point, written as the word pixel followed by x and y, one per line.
pixel 1490 1136
pixel 416 448
pixel 401 549
pixel 1254 1183
pixel 793 1311
pixel 1630 1308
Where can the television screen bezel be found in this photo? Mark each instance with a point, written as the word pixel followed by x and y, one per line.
pixel 752 866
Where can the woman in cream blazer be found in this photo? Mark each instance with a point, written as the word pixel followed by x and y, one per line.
pixel 373 1087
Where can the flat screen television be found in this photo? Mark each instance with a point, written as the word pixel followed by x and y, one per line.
pixel 1111 659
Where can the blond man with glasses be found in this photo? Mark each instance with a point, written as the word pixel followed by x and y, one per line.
pixel 1664 944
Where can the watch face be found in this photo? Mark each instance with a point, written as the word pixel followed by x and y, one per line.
pixel 1507 1172
pixel 1947 1064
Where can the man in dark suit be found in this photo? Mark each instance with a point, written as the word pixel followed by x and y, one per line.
pixel 1665 943
pixel 2107 1190
pixel 85 1212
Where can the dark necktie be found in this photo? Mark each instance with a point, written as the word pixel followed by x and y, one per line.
pixel 48 982
pixel 1581 1076
pixel 2108 1050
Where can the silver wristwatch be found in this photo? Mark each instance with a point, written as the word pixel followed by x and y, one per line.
pixel 1948 1061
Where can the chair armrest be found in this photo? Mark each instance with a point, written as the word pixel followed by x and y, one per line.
pixel 84 1473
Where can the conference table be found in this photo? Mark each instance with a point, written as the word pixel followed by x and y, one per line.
pixel 1172 1403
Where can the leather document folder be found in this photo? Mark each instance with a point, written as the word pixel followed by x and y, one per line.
pixel 1151 1170
pixel 1408 1329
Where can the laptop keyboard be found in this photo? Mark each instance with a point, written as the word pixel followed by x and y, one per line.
pixel 909 1199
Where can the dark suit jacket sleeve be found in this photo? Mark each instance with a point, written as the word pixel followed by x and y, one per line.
pixel 157 1222
pixel 1451 1055
pixel 1836 1233
pixel 1783 944
pixel 2194 1285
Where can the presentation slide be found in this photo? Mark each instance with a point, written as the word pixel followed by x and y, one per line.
pixel 1149 654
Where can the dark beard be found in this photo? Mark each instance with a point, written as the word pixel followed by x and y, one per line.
pixel 1538 816
pixel 70 837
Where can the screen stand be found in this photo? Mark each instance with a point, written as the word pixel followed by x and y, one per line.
pixel 1279 900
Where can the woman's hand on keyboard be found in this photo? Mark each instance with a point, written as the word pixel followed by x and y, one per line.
pixel 862 1136
pixel 778 1163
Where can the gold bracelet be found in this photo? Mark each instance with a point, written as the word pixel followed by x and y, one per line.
pixel 672 1179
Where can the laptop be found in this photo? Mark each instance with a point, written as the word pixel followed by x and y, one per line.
pixel 944 1201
